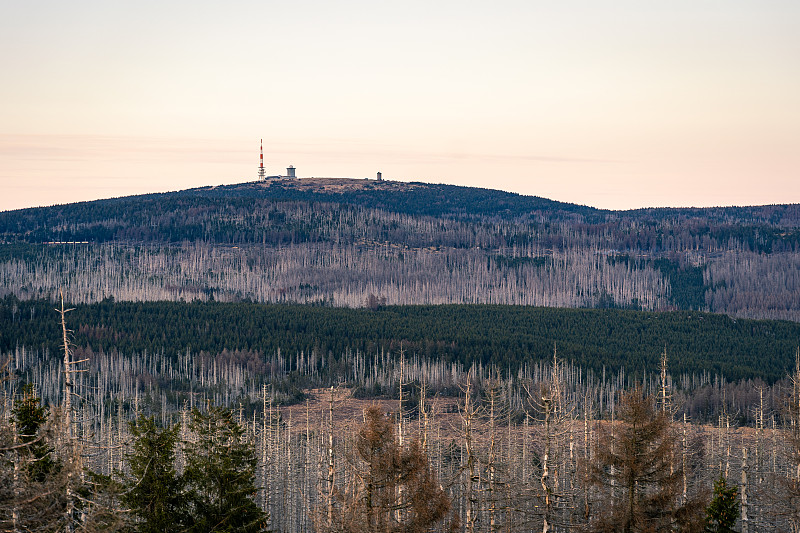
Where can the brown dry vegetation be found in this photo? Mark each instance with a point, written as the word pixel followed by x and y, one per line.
pixel 341 185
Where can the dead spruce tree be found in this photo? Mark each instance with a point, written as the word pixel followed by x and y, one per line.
pixel 788 497
pixel 552 490
pixel 495 483
pixel 470 414
pixel 70 443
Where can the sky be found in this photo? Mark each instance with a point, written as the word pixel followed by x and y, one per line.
pixel 616 104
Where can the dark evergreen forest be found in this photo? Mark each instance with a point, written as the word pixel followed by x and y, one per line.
pixel 499 335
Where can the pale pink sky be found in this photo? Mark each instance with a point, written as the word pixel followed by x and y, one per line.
pixel 615 104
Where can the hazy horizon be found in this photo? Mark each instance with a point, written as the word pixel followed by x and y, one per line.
pixel 616 105
pixel 255 180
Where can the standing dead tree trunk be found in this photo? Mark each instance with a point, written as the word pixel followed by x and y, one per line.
pixel 74 468
pixel 469 416
pixel 556 483
pixel 496 476
pixel 788 498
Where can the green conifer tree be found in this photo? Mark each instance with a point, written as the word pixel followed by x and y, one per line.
pixel 155 492
pixel 722 512
pixel 31 479
pixel 220 473
pixel 30 416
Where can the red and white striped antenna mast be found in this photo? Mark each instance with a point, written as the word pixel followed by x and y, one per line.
pixel 261 172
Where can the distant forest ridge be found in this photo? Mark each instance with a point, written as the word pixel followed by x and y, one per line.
pixel 339 242
pixel 508 337
pixel 174 216
pixel 417 198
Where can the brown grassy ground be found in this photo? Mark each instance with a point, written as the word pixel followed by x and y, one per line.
pixel 340 185
pixel 348 413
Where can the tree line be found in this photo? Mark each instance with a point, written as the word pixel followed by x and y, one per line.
pixel 504 336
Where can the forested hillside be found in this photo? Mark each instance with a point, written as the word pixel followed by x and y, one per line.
pixel 338 242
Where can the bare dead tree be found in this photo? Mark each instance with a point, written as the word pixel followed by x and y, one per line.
pixel 556 493
pixel 469 416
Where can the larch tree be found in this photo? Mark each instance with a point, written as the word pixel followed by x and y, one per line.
pixel 394 488
pixel 638 474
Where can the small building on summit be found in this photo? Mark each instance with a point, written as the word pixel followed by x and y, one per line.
pixel 262 172
pixel 290 175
